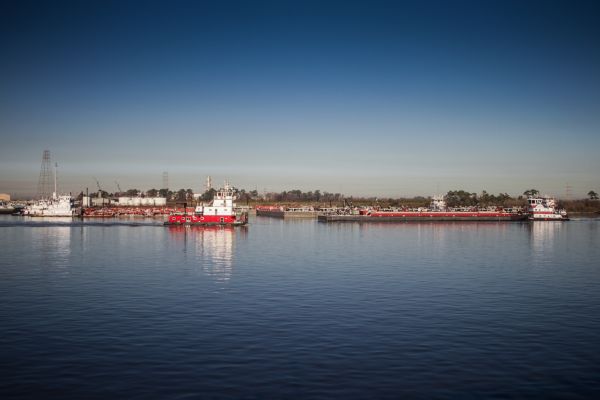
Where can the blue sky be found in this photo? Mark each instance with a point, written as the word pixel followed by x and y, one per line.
pixel 363 98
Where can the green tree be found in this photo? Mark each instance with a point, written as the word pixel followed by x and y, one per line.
pixel 486 199
pixel 243 196
pixel 132 192
pixel 461 198
pixel 592 195
pixel 181 195
pixel 317 195
pixel 531 192
pixel 502 198
pixel 209 195
pixel 164 193
pixel 152 193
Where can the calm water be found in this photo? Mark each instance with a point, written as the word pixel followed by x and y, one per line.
pixel 286 309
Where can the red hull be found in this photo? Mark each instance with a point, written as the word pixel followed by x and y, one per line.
pixel 205 220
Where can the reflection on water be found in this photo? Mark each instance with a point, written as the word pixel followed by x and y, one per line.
pixel 300 309
pixel 212 247
pixel 440 234
pixel 53 244
pixel 543 237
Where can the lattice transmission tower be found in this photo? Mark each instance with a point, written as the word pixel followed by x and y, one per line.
pixel 44 189
pixel 165 180
pixel 568 191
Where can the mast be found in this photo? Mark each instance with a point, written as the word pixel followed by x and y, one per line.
pixel 55 178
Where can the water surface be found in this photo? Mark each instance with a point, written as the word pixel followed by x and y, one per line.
pixel 288 309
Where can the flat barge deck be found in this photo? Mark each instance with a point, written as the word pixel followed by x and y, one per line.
pixel 276 213
pixel 368 218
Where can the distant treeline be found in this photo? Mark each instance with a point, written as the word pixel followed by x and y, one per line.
pixel 454 198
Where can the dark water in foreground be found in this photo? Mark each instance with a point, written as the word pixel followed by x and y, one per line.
pixel 300 309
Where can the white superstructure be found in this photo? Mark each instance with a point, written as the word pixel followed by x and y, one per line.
pixel 56 206
pixel 222 203
pixel 544 209
pixel 438 203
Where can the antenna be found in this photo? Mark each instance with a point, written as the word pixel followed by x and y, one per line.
pixel 165 179
pixel 118 187
pixel 43 189
pixel 568 191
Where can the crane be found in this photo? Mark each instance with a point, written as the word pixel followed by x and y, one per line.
pixel 99 188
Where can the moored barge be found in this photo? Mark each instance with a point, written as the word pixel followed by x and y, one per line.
pixel 438 211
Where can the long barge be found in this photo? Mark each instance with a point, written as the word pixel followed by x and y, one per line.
pixel 426 217
pixel 286 212
pixel 436 212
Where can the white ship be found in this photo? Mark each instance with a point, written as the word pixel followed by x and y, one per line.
pixel 544 209
pixel 6 208
pixel 56 206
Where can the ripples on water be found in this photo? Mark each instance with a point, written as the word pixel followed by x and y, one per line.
pixel 284 309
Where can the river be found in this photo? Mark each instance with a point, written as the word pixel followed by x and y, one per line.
pixel 299 309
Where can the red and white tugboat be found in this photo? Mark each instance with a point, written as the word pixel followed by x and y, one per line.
pixel 544 209
pixel 220 212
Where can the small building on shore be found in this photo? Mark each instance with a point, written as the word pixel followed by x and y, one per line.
pixel 124 202
pixel 142 201
pixel 88 201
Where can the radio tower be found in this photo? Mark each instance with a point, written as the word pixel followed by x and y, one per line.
pixel 568 191
pixel 208 184
pixel 165 180
pixel 44 186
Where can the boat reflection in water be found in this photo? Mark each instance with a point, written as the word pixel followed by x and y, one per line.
pixel 213 247
pixel 545 239
pixel 52 243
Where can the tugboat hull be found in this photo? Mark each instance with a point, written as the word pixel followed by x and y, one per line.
pixel 206 220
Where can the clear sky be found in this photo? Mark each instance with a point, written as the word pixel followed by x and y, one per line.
pixel 363 98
